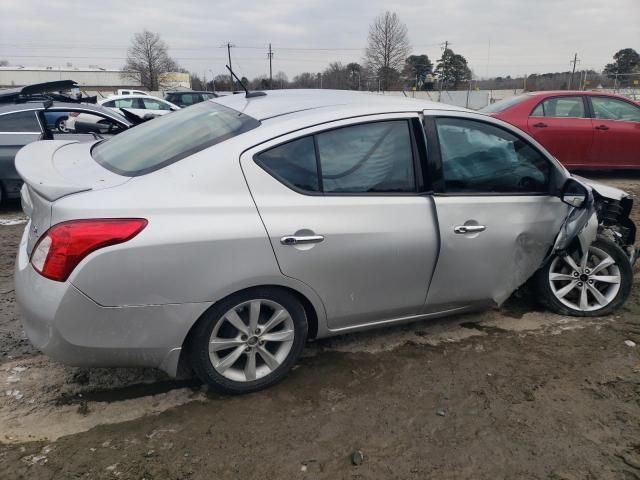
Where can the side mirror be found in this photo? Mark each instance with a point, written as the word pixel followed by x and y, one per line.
pixel 574 193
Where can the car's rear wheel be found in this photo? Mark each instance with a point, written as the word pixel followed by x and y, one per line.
pixel 248 341
pixel 588 284
pixel 61 125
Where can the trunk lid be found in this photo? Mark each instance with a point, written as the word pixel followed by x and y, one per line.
pixel 53 169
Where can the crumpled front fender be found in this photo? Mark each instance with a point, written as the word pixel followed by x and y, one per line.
pixel 581 222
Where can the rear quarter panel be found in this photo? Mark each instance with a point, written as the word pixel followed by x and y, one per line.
pixel 204 240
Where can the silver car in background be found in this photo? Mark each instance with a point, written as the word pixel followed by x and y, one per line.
pixel 218 239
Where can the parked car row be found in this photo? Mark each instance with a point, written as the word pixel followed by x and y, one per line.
pixel 24 123
pixel 28 114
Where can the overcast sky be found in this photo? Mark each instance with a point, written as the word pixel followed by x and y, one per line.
pixel 498 37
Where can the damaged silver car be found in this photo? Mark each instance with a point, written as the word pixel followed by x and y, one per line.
pixel 219 239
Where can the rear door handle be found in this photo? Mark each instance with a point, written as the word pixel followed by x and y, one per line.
pixel 462 229
pixel 602 127
pixel 540 125
pixel 300 239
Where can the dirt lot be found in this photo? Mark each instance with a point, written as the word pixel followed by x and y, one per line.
pixel 510 393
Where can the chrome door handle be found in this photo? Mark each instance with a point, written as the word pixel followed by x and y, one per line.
pixel 300 239
pixel 469 229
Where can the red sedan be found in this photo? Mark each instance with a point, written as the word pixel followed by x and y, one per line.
pixel 581 129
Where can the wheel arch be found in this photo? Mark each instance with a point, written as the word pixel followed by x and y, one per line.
pixel 183 369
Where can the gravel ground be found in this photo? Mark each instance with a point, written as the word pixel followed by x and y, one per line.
pixel 514 392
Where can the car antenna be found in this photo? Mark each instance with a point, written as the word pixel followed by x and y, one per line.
pixel 248 94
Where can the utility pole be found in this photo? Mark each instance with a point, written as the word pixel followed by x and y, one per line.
pixel 229 45
pixel 270 55
pixel 446 47
pixel 574 61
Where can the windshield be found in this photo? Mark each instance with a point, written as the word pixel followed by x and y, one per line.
pixel 502 105
pixel 165 140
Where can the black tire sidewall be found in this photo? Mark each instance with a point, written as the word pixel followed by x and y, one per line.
pixel 547 297
pixel 59 122
pixel 199 340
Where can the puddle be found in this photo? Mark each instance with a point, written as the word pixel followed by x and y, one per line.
pixel 13 220
pixel 130 392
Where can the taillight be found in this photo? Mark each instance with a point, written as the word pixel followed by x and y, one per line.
pixel 64 245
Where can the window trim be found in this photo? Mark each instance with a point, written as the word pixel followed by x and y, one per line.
pixel 436 169
pixel 593 110
pixel 587 111
pixel 321 193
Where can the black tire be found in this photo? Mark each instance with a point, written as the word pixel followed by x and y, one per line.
pixel 199 339
pixel 547 297
pixel 61 125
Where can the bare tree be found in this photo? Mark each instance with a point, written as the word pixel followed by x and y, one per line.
pixel 387 46
pixel 281 79
pixel 148 59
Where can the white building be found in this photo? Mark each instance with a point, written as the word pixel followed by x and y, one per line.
pixel 92 78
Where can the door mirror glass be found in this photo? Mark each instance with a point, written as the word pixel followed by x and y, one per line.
pixel 574 193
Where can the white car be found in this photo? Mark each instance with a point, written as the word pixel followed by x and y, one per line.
pixel 131 92
pixel 140 105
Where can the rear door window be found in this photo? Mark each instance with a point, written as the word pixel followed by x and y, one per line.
pixel 151 104
pixel 169 138
pixel 606 108
pixel 568 107
pixel 368 158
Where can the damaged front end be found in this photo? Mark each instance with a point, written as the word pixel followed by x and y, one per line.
pixel 613 209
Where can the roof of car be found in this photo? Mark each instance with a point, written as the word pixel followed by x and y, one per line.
pixel 283 102
pixel 173 92
pixel 133 95
pixel 571 92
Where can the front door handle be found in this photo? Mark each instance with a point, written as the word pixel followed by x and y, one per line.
pixel 462 229
pixel 602 127
pixel 540 125
pixel 300 239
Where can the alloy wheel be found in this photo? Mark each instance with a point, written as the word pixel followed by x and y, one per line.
pixel 587 283
pixel 251 340
pixel 62 126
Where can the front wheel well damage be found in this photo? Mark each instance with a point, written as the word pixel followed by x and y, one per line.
pixel 184 369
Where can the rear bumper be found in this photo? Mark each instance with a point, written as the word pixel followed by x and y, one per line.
pixel 69 327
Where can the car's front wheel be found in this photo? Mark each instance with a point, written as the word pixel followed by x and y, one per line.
pixel 591 284
pixel 248 341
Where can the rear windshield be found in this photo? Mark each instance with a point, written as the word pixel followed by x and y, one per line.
pixel 502 105
pixel 167 139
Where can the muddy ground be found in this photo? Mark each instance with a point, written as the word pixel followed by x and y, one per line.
pixel 515 392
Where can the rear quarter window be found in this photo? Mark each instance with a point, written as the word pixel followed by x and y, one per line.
pixel 165 140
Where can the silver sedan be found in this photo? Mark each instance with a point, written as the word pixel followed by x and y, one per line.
pixel 219 239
